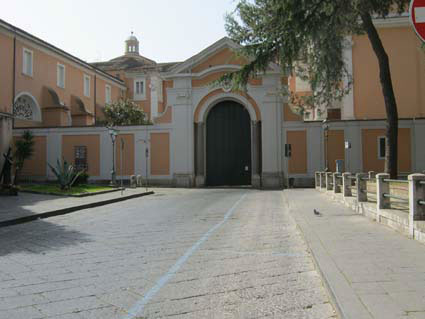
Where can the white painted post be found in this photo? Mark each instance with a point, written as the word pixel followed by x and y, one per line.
pixel 329 178
pixel 337 185
pixel 372 175
pixel 361 187
pixel 317 179
pixel 381 189
pixel 322 180
pixel 346 184
pixel 133 181
pixel 416 193
pixel 139 180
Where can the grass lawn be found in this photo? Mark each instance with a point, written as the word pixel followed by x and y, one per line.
pixel 55 189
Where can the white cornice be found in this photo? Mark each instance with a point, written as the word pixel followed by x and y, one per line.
pixel 392 22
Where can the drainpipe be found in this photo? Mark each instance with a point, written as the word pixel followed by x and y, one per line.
pixel 94 96
pixel 14 77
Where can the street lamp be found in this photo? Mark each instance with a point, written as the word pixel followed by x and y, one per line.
pixel 146 142
pixel 113 133
pixel 325 127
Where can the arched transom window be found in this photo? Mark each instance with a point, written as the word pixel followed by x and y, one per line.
pixel 26 108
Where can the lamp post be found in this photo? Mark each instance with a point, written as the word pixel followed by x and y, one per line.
pixel 113 133
pixel 325 127
pixel 146 142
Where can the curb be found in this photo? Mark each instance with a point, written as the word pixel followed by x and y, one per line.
pixel 72 195
pixel 68 210
pixel 343 298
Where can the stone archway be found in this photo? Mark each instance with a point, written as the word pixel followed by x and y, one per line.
pixel 202 112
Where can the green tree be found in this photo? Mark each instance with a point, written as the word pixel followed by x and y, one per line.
pixel 307 37
pixel 124 112
pixel 24 149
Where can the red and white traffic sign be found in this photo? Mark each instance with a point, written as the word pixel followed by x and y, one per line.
pixel 417 17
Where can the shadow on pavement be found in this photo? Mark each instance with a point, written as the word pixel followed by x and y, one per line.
pixel 38 237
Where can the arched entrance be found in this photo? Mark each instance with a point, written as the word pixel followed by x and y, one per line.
pixel 228 145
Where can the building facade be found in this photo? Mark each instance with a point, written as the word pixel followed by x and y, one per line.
pixel 204 134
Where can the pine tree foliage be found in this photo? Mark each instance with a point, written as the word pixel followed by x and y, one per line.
pixel 307 39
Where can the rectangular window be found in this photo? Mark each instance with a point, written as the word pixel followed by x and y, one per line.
pixel 61 76
pixel 139 89
pixel 86 85
pixel 382 141
pixel 107 93
pixel 80 158
pixel 27 60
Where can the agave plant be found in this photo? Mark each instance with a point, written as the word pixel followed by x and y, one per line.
pixel 65 173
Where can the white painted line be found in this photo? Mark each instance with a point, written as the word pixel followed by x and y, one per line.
pixel 138 308
pixel 420 14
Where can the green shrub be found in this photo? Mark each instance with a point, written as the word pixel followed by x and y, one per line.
pixel 65 173
pixel 82 179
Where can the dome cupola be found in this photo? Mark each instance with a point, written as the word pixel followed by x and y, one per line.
pixel 132 45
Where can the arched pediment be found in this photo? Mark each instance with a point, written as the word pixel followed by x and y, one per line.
pixel 78 107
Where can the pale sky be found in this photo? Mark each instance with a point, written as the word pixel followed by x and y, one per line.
pixel 95 30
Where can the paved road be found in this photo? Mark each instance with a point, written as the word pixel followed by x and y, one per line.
pixel 178 254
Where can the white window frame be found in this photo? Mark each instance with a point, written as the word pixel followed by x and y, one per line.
pixel 108 94
pixel 24 64
pixel 86 89
pixel 379 146
pixel 58 83
pixel 140 96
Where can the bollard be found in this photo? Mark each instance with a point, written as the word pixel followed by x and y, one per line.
pixel 329 178
pixel 322 180
pixel 139 180
pixel 346 185
pixel 416 193
pixel 337 185
pixel 133 181
pixel 317 179
pixel 361 187
pixel 381 189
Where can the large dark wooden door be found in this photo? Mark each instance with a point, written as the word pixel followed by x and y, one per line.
pixel 228 145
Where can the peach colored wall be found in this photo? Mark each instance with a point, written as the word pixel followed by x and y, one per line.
pixel 166 118
pixel 407 61
pixel 209 78
pixel 6 71
pixel 92 142
pixel 145 105
pixel 45 74
pixel 37 164
pixel 290 116
pixel 225 56
pixel 160 154
pixel 370 150
pixel 297 163
pixel 336 148
pixel 168 84
pixel 128 155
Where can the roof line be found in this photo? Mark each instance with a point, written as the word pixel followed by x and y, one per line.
pixel 58 50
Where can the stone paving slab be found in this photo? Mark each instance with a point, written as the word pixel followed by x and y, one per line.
pixel 27 205
pixel 371 270
pixel 99 263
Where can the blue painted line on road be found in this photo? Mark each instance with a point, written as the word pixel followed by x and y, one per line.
pixel 138 308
